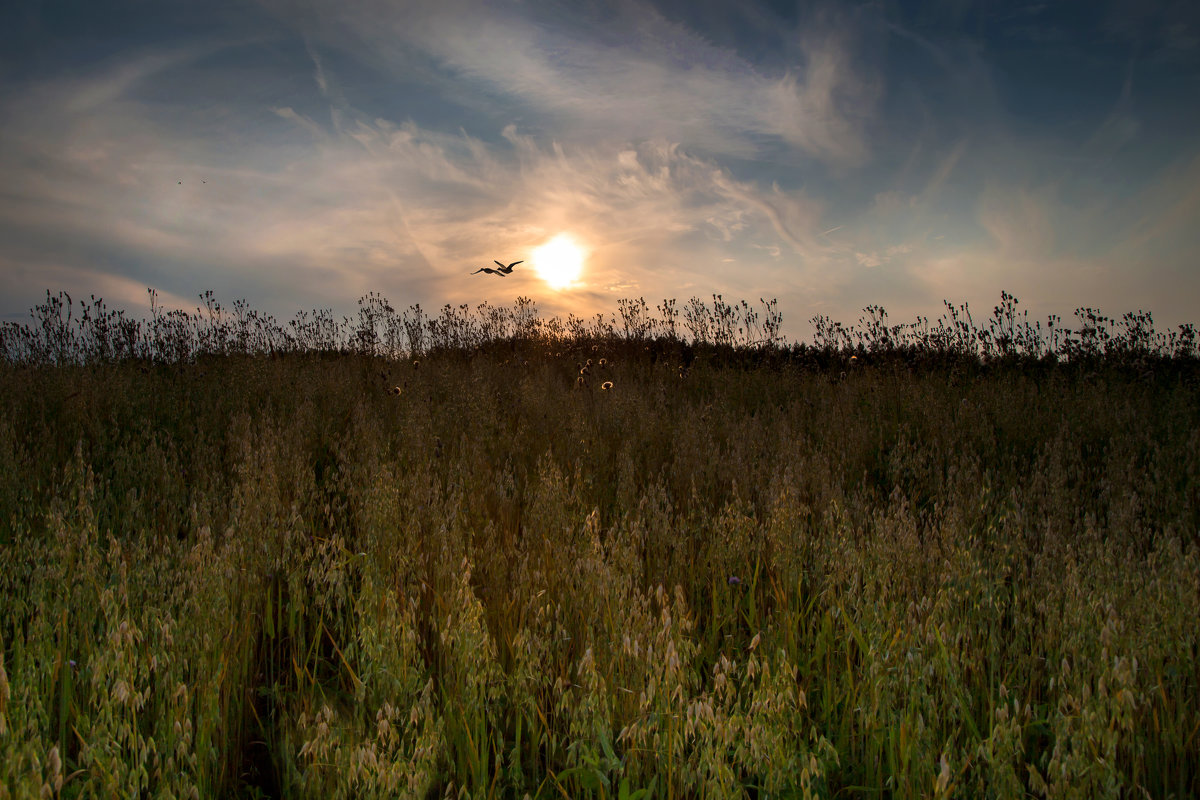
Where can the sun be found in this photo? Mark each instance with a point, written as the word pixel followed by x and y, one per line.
pixel 559 261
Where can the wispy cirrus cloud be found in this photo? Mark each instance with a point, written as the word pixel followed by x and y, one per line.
pixel 625 71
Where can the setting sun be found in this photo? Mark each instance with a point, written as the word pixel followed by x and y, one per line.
pixel 559 261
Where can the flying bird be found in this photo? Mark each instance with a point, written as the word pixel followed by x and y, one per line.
pixel 491 271
pixel 508 270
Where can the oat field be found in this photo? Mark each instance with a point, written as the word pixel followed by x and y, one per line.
pixel 658 554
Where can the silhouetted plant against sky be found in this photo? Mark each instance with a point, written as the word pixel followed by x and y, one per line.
pixel 59 335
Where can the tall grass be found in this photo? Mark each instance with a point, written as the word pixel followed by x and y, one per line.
pixel 964 565
pixel 63 331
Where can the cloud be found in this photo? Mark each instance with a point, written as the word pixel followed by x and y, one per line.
pixel 118 79
pixel 304 122
pixel 794 216
pixel 1163 215
pixel 26 280
pixel 1119 129
pixel 364 203
pixel 1019 220
pixel 877 259
pixel 396 147
pixel 634 75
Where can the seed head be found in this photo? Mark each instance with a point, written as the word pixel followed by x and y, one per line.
pixel 607 385
pixel 395 390
pixel 54 762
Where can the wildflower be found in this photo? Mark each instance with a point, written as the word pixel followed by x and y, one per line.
pixel 606 386
pixel 734 580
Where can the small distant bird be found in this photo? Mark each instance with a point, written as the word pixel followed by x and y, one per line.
pixel 204 181
pixel 491 271
pixel 181 183
pixel 507 270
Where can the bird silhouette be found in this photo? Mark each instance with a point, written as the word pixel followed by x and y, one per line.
pixel 490 271
pixel 508 270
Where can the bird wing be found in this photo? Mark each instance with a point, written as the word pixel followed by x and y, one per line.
pixel 510 266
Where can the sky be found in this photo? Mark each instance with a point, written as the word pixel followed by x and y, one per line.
pixel 299 154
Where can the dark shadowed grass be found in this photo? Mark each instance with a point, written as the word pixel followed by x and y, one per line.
pixel 742 570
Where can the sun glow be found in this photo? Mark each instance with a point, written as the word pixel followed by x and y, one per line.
pixel 559 261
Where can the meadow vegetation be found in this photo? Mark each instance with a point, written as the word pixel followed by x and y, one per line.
pixel 414 555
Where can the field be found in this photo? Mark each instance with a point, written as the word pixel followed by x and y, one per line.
pixel 424 556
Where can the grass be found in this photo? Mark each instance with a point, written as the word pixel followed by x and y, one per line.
pixel 964 565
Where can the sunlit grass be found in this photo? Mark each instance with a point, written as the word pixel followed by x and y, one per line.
pixel 245 575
